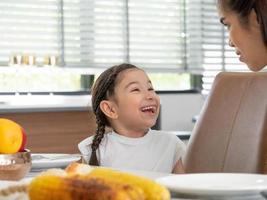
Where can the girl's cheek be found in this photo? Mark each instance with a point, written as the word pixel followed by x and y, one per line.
pixel 158 99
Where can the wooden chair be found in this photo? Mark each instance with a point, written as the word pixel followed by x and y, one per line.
pixel 230 134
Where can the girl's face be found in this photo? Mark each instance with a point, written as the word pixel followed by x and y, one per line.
pixel 135 102
pixel 246 39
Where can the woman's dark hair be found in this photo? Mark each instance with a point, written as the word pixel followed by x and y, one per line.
pixel 243 9
pixel 102 89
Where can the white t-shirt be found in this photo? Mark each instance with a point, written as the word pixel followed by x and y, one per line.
pixel 156 151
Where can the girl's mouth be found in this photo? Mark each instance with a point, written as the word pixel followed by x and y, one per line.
pixel 149 109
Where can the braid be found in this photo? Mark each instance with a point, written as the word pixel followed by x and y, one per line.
pixel 102 90
pixel 100 131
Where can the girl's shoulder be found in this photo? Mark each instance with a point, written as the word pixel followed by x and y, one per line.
pixel 87 141
pixel 85 144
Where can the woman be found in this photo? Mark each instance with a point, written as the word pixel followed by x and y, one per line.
pixel 246 21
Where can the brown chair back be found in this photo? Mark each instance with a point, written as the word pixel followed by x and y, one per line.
pixel 230 134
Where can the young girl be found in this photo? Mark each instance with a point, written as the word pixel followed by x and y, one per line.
pixel 123 98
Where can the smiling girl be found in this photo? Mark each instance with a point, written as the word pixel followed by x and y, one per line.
pixel 123 98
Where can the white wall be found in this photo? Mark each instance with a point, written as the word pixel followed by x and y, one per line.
pixel 177 111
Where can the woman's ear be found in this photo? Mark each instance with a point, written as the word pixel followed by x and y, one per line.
pixel 108 109
pixel 253 19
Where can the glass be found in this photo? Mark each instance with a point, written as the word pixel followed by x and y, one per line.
pixel 51 60
pixel 28 59
pixel 15 59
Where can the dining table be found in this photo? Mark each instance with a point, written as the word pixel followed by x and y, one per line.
pixel 179 185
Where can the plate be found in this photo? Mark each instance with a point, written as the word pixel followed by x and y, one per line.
pixel 43 161
pixel 215 184
pixel 4 184
pixel 154 175
pixel 8 190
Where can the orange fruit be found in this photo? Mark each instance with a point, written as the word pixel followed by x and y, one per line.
pixel 11 137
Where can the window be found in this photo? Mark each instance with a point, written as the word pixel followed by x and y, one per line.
pixel 161 81
pixel 84 37
pixel 29 28
pixel 168 38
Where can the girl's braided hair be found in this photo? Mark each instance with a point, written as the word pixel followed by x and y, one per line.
pixel 102 89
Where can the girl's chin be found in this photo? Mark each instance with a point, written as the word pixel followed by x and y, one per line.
pixel 147 126
pixel 154 125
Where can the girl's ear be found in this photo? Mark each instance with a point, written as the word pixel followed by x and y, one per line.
pixel 108 109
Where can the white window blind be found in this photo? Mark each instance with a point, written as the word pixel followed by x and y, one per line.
pixel 208 48
pixel 156 33
pixel 29 27
pixel 95 33
pixel 164 35
pixel 146 33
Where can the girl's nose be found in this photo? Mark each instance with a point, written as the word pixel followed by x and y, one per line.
pixel 150 95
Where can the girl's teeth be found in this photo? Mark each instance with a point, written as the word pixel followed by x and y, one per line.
pixel 149 108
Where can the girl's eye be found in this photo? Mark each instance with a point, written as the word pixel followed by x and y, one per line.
pixel 151 89
pixel 135 90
